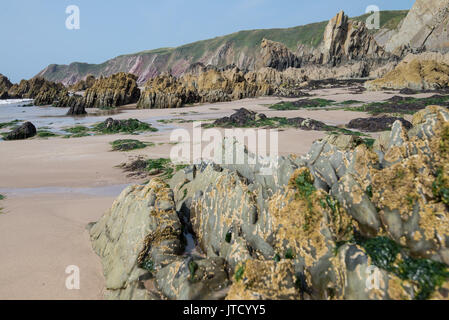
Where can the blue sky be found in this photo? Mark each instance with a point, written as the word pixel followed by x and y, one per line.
pixel 34 33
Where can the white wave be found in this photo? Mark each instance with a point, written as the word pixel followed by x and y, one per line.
pixel 11 101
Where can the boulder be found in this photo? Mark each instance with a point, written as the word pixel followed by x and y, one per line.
pixel 25 131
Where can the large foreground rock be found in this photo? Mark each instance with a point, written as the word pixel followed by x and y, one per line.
pixel 311 227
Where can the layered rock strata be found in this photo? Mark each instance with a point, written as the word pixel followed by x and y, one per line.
pixel 315 227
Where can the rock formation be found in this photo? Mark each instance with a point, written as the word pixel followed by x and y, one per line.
pixel 83 84
pixel 417 72
pixel 208 85
pixel 5 85
pixel 25 131
pixel 424 27
pixel 345 39
pixel 42 91
pixel 116 90
pixel 315 228
pixel 277 56
pixel 75 103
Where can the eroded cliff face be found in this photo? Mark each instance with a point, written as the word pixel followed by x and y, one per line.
pixel 283 48
pixel 425 26
pixel 316 228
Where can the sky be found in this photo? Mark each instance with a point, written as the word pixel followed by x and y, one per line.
pixel 34 32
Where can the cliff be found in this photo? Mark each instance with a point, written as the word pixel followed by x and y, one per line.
pixel 425 26
pixel 241 49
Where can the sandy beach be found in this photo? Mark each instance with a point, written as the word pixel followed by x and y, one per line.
pixel 55 187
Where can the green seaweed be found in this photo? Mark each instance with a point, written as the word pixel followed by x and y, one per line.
pixel 301 104
pixel 148 265
pixel 289 254
pixel 193 267
pixel 239 273
pixel 163 167
pixel 128 145
pixel 305 188
pixel 407 106
pixel 46 134
pixel 440 187
pixel 9 124
pixel 130 126
pixel 426 274
pixel 348 102
pixel 228 237
pixel 369 191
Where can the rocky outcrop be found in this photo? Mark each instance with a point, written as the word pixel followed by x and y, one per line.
pixel 75 103
pixel 417 72
pixel 5 85
pixel 346 39
pixel 277 56
pixel 315 227
pixel 424 27
pixel 116 90
pixel 42 91
pixel 83 84
pixel 25 131
pixel 144 220
pixel 209 85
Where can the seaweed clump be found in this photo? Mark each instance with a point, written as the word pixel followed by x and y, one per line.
pixel 426 275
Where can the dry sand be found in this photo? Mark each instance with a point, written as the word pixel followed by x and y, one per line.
pixel 56 186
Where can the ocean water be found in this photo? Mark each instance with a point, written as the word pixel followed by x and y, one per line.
pixel 55 119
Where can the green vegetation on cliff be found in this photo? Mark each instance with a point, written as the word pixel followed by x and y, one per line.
pixel 243 43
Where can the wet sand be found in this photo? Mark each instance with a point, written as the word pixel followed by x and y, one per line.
pixel 56 186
